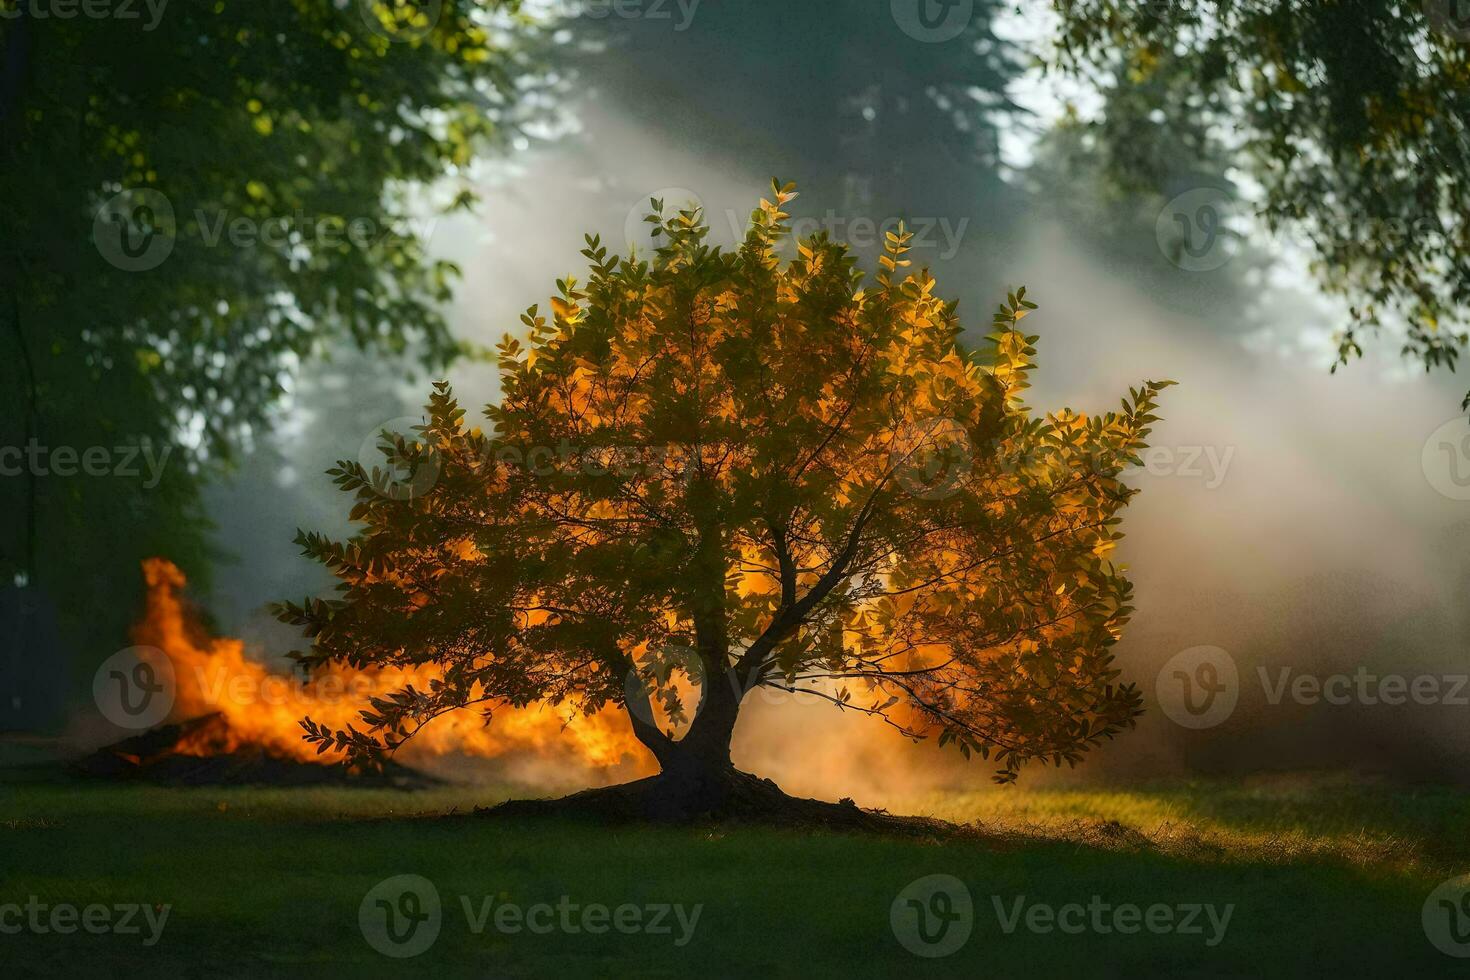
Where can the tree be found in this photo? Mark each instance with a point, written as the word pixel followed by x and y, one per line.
pixel 721 470
pixel 200 196
pixel 843 90
pixel 1350 116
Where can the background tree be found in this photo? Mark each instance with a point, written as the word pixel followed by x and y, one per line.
pixel 885 120
pixel 1353 118
pixel 739 471
pixel 197 200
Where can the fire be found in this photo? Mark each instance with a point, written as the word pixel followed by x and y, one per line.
pixel 260 707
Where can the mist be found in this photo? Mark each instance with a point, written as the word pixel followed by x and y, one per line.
pixel 1286 517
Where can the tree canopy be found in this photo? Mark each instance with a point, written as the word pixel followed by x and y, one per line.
pixel 747 468
pixel 1350 121
pixel 198 198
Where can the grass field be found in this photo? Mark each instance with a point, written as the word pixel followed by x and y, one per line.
pixel 1325 875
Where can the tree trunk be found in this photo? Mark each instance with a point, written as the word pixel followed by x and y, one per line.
pixel 697 782
pixel 695 772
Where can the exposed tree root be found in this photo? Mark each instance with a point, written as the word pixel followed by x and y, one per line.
pixel 727 797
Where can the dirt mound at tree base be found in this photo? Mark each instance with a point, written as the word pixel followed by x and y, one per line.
pixel 164 756
pixel 732 797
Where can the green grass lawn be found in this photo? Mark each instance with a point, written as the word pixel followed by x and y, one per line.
pixel 1325 876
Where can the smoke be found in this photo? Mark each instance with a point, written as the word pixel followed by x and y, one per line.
pixel 1322 548
pixel 1286 517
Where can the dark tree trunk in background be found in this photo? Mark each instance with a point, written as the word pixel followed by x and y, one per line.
pixel 34 668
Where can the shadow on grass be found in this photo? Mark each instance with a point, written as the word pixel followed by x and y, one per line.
pixel 270 883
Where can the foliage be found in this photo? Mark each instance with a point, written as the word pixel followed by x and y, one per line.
pixel 883 124
pixel 297 121
pixel 797 481
pixel 1351 117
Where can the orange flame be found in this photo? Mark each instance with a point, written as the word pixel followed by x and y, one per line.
pixel 263 708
